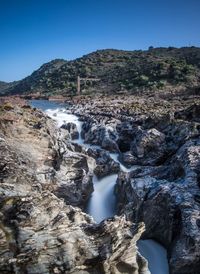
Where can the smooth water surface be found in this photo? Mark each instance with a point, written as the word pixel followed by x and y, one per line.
pixel 102 204
pixel 156 256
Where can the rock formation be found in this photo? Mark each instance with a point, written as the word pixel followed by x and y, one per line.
pixel 42 177
pixel 72 130
pixel 161 137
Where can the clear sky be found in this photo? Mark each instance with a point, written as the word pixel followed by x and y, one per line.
pixel 36 31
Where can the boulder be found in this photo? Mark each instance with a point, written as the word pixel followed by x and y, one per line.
pixel 128 158
pixel 105 165
pixel 149 147
pixel 73 181
pixel 100 134
pixel 72 129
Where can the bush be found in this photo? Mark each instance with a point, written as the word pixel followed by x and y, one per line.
pixel 161 84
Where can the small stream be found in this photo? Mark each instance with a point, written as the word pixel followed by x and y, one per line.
pixel 102 203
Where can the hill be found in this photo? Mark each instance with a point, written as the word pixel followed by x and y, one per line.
pixel 3 85
pixel 117 71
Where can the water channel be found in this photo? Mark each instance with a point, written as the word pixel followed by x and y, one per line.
pixel 102 203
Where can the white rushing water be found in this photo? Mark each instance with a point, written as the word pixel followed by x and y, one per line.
pixel 102 203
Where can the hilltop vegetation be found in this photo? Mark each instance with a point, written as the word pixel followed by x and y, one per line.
pixel 118 71
pixel 3 85
pixel 6 87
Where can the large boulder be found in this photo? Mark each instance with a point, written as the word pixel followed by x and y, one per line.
pixel 149 147
pixel 73 181
pixel 100 134
pixel 128 158
pixel 72 130
pixel 105 165
pixel 109 144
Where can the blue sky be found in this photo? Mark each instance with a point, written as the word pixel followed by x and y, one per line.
pixel 36 31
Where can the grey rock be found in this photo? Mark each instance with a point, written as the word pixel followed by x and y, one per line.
pixel 39 231
pixel 166 200
pixel 149 146
pixel 72 129
pixel 105 165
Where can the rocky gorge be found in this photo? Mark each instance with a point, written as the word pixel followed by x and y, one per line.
pixel 160 137
pixel 43 180
pixel 46 183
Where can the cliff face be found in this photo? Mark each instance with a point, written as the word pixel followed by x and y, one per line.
pixel 41 177
pixel 163 69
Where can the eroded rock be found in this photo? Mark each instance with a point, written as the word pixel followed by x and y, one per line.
pixel 161 135
pixel 166 199
pixel 72 130
pixel 39 231
pixel 105 165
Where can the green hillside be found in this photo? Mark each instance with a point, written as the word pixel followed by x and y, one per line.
pixel 118 71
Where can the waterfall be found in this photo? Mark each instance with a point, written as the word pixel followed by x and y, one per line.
pixel 102 203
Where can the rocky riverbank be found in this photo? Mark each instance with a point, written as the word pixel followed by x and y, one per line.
pixel 161 138
pixel 43 178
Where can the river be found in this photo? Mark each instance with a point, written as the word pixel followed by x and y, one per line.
pixel 102 203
